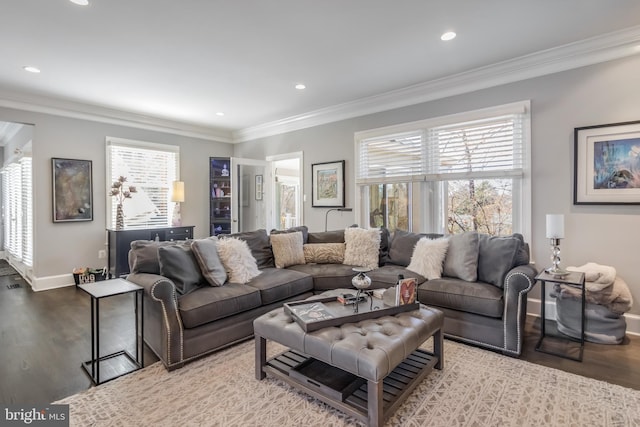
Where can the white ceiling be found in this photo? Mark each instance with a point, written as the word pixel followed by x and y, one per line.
pixel 184 61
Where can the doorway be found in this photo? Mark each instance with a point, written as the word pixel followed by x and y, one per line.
pixel 287 184
pixel 16 236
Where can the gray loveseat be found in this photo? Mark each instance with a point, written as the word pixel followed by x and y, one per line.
pixel 185 322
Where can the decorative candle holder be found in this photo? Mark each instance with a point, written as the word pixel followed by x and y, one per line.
pixel 361 282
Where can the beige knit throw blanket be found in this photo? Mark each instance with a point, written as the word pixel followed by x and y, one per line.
pixel 603 287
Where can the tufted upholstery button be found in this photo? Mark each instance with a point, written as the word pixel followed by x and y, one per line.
pixel 369 346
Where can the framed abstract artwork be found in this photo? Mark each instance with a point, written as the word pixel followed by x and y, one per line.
pixel 327 184
pixel 607 164
pixel 72 190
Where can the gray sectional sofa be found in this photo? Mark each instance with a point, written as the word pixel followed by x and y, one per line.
pixel 483 291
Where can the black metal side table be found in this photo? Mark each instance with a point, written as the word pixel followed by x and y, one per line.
pixel 120 359
pixel 574 279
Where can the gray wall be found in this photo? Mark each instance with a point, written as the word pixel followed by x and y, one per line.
pixel 598 94
pixel 59 247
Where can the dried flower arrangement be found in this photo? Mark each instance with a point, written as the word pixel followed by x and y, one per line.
pixel 119 192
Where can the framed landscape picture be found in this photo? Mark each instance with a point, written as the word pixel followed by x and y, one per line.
pixel 607 164
pixel 327 184
pixel 72 190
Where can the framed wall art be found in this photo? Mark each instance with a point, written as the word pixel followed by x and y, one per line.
pixel 327 184
pixel 607 164
pixel 72 190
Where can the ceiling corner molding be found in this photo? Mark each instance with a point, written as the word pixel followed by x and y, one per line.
pixel 607 47
pixel 75 110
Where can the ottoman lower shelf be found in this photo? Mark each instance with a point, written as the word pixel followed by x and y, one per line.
pixel 351 397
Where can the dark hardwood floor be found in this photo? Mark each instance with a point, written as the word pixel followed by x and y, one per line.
pixel 44 337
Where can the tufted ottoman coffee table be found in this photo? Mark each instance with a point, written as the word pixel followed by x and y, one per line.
pixel 365 369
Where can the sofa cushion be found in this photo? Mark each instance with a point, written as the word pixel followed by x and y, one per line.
pixel 327 276
pixel 237 259
pixel 260 246
pixel 178 264
pixel 428 257
pixel 144 256
pixel 362 247
pixel 462 257
pixel 287 249
pixel 277 284
pixel 496 256
pixel 324 253
pixel 472 297
pixel 387 276
pixel 211 266
pixel 336 236
pixel 303 229
pixel 216 302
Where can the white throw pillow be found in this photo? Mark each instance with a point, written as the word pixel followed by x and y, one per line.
pixel 428 257
pixel 362 247
pixel 287 249
pixel 236 257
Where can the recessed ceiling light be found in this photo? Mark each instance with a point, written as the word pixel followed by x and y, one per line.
pixel 220 113
pixel 449 35
pixel 31 69
pixel 300 86
pixel 80 2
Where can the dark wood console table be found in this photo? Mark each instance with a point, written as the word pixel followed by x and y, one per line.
pixel 119 243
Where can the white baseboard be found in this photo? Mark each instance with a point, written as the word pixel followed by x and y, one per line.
pixel 533 309
pixel 52 282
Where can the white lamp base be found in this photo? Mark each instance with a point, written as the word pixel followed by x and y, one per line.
pixel 176 219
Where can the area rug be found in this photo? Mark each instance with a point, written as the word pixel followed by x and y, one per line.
pixel 476 388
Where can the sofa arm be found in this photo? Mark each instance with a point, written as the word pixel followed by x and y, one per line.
pixel 517 284
pixel 163 327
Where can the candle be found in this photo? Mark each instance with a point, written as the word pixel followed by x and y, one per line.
pixel 555 226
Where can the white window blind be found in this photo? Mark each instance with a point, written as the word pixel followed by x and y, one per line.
pixel 149 167
pixel 485 148
pixel 27 212
pixel 392 158
pixel 17 202
pixel 481 148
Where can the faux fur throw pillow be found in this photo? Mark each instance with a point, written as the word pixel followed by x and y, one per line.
pixel 236 257
pixel 362 247
pixel 428 257
pixel 287 249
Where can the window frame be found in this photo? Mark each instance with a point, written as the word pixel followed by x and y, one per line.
pixel 430 217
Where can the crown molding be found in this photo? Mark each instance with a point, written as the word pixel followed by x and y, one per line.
pixel 75 110
pixel 607 47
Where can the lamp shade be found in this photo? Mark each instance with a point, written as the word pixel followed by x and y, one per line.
pixel 177 191
pixel 555 226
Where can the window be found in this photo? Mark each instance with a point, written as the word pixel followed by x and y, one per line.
pixel 149 167
pixel 448 175
pixel 17 202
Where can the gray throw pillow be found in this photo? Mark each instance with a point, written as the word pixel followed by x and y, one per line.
pixel 178 264
pixel 462 257
pixel 211 267
pixel 401 247
pixel 144 256
pixel 335 236
pixel 260 246
pixel 496 256
pixel 303 229
pixel 385 236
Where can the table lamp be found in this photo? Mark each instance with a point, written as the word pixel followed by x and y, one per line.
pixel 177 196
